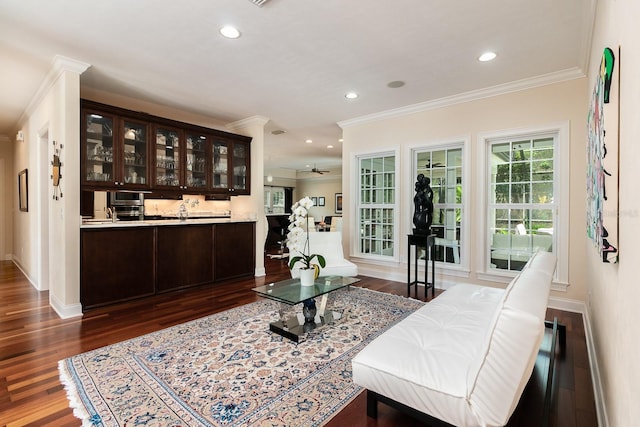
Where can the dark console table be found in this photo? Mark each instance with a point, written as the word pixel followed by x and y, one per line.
pixel 427 242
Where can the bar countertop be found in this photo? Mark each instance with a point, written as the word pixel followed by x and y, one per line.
pixel 107 223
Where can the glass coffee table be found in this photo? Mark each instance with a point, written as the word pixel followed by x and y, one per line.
pixel 290 293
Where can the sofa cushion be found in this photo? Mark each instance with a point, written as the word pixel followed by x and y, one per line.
pixel 506 366
pixel 511 343
pixel 529 290
pixel 543 261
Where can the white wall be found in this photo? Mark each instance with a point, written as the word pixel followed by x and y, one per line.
pixel 614 288
pixel 55 114
pixel 8 197
pixel 320 186
pixel 537 107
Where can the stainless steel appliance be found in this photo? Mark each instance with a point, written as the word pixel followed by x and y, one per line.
pixel 127 205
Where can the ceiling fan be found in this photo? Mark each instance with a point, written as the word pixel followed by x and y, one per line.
pixel 314 169
pixel 430 165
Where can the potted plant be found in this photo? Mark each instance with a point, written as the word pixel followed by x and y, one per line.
pixel 298 242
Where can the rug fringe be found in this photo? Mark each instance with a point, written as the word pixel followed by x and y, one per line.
pixel 75 403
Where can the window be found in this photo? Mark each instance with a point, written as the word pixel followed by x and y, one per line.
pixel 377 205
pixel 443 167
pixel 274 200
pixel 522 198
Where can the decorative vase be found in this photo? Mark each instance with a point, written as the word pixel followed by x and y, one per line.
pixel 307 276
pixel 309 310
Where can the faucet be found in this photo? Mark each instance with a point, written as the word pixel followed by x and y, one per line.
pixel 111 213
pixel 182 212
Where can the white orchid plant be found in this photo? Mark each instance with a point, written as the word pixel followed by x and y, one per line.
pixel 298 237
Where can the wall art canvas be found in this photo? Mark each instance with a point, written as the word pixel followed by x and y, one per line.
pixel 602 159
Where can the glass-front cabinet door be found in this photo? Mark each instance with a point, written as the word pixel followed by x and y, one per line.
pixel 123 150
pixel 220 165
pixel 134 154
pixel 196 157
pixel 240 167
pixel 98 149
pixel 168 156
pixel 230 166
pixel 114 151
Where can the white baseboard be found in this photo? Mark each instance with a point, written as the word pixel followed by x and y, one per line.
pixel 65 311
pixel 18 264
pixel 580 307
pixel 601 410
pixel 396 276
pixel 260 272
pixel 565 304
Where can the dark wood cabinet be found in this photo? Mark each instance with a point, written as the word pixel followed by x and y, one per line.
pixel 230 167
pixel 234 250
pixel 117 265
pixel 114 151
pixel 185 256
pixel 122 263
pixel 129 150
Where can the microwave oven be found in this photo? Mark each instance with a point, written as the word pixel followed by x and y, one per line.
pixel 125 198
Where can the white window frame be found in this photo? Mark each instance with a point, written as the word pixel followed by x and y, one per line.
pixel 462 269
pixel 561 199
pixel 355 246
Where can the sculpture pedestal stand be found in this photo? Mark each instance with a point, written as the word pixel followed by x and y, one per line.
pixel 421 239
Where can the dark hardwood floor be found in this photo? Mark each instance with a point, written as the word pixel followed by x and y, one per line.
pixel 33 339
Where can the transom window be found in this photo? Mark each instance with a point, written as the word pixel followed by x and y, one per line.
pixel 377 205
pixel 522 202
pixel 444 169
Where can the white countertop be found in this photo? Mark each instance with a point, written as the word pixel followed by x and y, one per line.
pixel 160 222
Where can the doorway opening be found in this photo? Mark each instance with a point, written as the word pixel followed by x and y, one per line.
pixel 42 187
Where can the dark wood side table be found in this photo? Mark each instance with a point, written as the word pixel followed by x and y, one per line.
pixel 427 242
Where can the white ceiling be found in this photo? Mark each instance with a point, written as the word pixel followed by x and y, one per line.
pixel 295 59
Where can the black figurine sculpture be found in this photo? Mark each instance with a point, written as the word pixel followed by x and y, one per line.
pixel 423 206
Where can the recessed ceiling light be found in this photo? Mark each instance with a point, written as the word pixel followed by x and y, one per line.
pixel 230 32
pixel 308 141
pixel 395 84
pixel 278 132
pixel 340 140
pixel 351 95
pixel 329 146
pixel 487 56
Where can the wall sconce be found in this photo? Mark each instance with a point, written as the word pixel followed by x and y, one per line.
pixel 20 136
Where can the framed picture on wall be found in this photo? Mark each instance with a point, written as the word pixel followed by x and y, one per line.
pixel 315 201
pixel 320 201
pixel 338 203
pixel 23 190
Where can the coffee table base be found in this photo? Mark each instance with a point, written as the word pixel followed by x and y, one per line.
pixel 297 327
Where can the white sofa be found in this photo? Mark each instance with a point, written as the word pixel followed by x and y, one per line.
pixel 465 357
pixel 329 245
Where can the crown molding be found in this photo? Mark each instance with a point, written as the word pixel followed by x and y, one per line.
pixel 518 85
pixel 249 121
pixel 60 65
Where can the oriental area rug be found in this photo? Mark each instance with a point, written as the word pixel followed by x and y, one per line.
pixel 228 369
